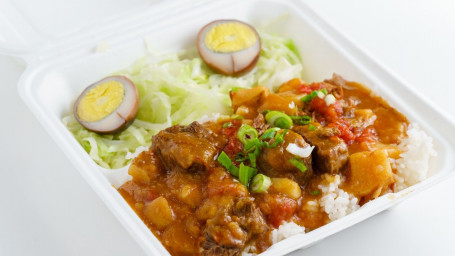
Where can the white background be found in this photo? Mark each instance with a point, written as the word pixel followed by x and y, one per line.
pixel 46 208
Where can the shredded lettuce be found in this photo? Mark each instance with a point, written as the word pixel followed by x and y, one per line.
pixel 178 89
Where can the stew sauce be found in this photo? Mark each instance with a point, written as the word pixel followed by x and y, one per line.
pixel 195 206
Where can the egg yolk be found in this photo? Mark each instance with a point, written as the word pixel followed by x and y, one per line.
pixel 230 37
pixel 100 101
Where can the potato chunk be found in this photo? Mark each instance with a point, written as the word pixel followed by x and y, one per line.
pixel 287 187
pixel 190 194
pixel 139 174
pixel 291 85
pixel 370 173
pixel 159 212
pixel 249 97
pixel 178 241
pixel 246 101
pixel 280 103
pixel 143 168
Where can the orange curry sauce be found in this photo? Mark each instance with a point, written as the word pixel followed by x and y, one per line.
pixel 194 206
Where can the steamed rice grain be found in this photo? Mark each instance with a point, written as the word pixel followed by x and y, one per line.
pixel 336 202
pixel 286 230
pixel 413 164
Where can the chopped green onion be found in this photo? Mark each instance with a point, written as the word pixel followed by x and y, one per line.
pixel 246 133
pixel 312 127
pixel 237 117
pixel 227 125
pixel 309 97
pixel 265 112
pixel 315 192
pixel 252 145
pixel 297 162
pixel 313 94
pixel 303 120
pixel 246 173
pixel 278 119
pixel 240 157
pixel 269 133
pixel 279 138
pixel 252 157
pixel 225 161
pixel 260 183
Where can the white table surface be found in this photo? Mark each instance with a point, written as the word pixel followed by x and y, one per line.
pixel 46 208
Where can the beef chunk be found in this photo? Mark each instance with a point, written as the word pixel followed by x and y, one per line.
pixel 275 162
pixel 260 124
pixel 337 83
pixel 211 248
pixel 186 148
pixel 330 153
pixel 248 215
pixel 232 226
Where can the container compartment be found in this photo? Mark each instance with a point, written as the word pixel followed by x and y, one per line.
pixel 50 85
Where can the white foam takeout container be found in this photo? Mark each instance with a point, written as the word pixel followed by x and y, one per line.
pixel 62 62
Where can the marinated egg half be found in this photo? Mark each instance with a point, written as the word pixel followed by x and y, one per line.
pixel 107 106
pixel 229 47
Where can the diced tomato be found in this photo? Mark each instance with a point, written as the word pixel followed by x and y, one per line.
pixel 227 188
pixel 330 113
pixel 317 86
pixel 345 130
pixel 279 208
pixel 369 134
pixel 350 134
pixel 232 129
pixel 303 88
pixel 233 147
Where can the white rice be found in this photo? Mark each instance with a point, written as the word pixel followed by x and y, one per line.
pixel 413 165
pixel 286 230
pixel 336 202
pixel 249 251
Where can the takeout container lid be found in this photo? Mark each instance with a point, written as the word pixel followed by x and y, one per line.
pixel 61 61
pixel 38 29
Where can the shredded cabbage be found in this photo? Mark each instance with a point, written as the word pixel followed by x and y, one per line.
pixel 178 89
